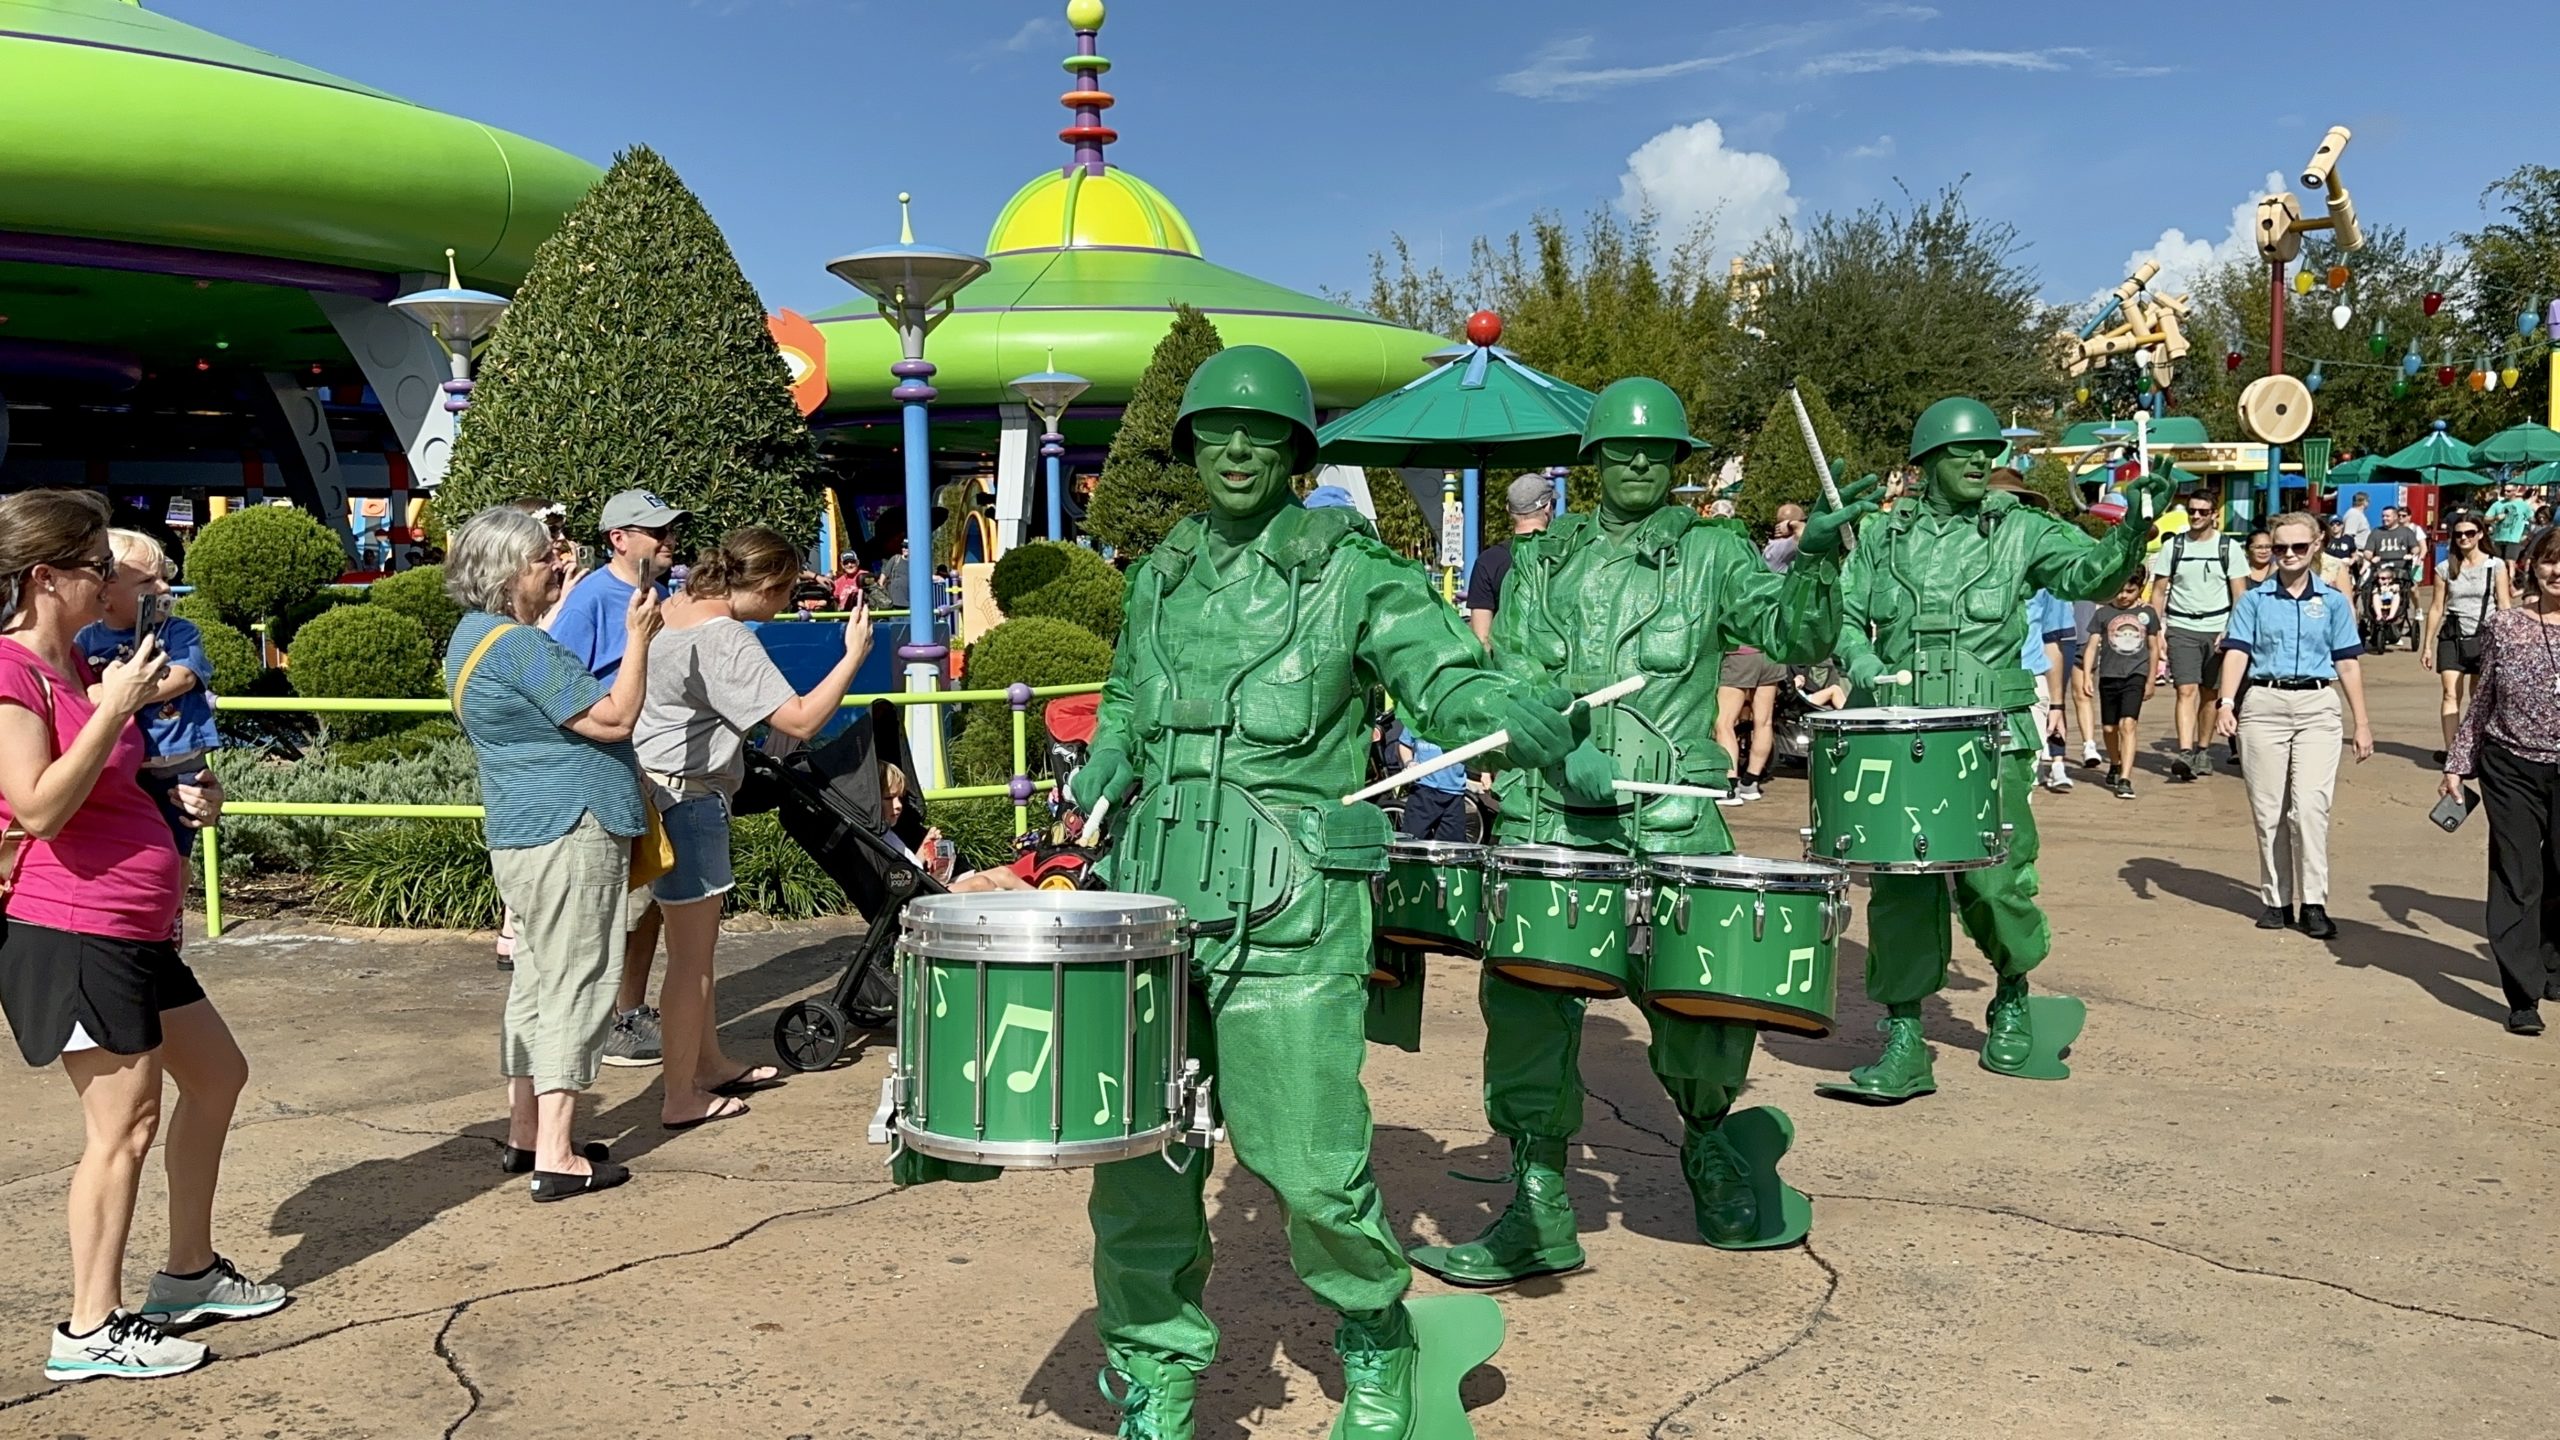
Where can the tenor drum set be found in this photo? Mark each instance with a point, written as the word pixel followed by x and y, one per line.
pixel 1049 1029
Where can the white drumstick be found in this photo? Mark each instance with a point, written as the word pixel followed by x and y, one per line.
pixel 1605 695
pixel 1092 832
pixel 1648 787
pixel 1898 677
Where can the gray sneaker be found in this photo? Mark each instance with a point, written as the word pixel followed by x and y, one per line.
pixel 220 1293
pixel 127 1347
pixel 635 1041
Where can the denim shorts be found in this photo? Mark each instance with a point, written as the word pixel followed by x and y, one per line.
pixel 698 827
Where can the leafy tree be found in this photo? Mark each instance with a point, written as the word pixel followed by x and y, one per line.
pixel 1145 487
pixel 1778 470
pixel 1401 523
pixel 262 562
pixel 636 355
pixel 2515 267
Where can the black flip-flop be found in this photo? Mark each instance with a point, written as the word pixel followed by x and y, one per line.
pixel 742 1087
pixel 549 1185
pixel 513 1161
pixel 712 1118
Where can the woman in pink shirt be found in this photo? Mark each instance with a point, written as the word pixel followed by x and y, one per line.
pixel 90 974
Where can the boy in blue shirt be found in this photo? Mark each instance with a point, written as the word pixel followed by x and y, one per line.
pixel 1436 807
pixel 177 726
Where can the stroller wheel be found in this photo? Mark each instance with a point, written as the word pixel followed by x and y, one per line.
pixel 809 1035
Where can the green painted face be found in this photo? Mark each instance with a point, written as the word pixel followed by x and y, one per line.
pixel 1960 473
pixel 1635 477
pixel 1244 458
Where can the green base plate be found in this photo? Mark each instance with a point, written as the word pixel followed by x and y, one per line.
pixel 2058 1020
pixel 1763 1134
pixel 1455 1333
pixel 1433 1260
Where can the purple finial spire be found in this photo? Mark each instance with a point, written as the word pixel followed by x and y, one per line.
pixel 1088 100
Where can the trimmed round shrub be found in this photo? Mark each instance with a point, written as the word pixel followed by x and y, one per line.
pixel 199 609
pixel 235 657
pixel 263 561
pixel 1032 650
pixel 1054 580
pixel 364 652
pixel 419 594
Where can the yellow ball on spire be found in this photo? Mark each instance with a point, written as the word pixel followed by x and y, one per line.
pixel 1084 14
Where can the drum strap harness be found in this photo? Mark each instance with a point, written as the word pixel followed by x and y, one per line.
pixel 1942 673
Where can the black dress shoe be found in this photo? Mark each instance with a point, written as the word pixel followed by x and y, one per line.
pixel 2551 989
pixel 2317 924
pixel 2275 917
pixel 2527 1021
pixel 513 1161
pixel 549 1186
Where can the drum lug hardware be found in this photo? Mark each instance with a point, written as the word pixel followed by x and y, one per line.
pixel 1835 917
pixel 1919 747
pixel 1440 883
pixel 1495 903
pixel 1839 844
pixel 884 1119
pixel 1572 907
pixel 1680 910
pixel 1919 845
pixel 1378 890
pixel 1759 916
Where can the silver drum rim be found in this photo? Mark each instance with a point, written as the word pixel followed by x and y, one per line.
pixel 1561 862
pixel 1750 872
pixel 1036 1154
pixel 1041 926
pixel 1894 719
pixel 1449 854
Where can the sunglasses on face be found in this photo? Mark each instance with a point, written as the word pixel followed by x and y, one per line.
pixel 2466 534
pixel 104 567
pixel 1258 429
pixel 2298 547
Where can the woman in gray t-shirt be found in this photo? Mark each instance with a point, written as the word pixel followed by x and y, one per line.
pixel 2471 585
pixel 710 682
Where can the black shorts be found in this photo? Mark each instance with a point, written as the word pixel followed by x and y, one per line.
pixel 51 980
pixel 2457 654
pixel 2119 698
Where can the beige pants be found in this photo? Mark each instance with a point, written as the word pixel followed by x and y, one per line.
pixel 2289 742
pixel 568 899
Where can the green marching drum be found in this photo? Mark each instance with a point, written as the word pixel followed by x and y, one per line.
pixel 1432 896
pixel 1042 1030
pixel 1563 919
pixel 1906 789
pixel 1740 938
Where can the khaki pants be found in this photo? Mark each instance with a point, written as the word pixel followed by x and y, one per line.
pixel 2289 742
pixel 568 898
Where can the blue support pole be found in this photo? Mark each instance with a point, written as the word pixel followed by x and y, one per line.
pixel 1471 505
pixel 1054 447
pixel 922 652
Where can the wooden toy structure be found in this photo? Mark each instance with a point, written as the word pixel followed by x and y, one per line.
pixel 2132 322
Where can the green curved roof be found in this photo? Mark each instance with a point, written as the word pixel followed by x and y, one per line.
pixel 126 125
pixel 1098 311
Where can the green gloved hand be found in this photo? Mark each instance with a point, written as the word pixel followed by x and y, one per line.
pixel 1544 725
pixel 1104 774
pixel 2146 499
pixel 1588 775
pixel 1863 670
pixel 1827 533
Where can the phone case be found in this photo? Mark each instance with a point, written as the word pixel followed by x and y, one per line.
pixel 2450 811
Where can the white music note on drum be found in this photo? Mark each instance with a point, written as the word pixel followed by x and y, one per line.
pixel 1147 986
pixel 1555 899
pixel 1941 808
pixel 1029 1021
pixel 1968 758
pixel 1607 943
pixel 1706 971
pixel 1984 813
pixel 1102 1083
pixel 1882 770
pixel 1739 910
pixel 1804 986
pixel 1786 920
pixel 941 1002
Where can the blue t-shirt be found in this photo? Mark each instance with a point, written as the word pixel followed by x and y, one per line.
pixel 2048 619
pixel 589 624
pixel 173 729
pixel 537 779
pixel 1451 780
pixel 2289 637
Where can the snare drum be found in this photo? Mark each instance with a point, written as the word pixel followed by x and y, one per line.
pixel 1906 789
pixel 1562 919
pixel 1042 1029
pixel 1432 896
pixel 1740 938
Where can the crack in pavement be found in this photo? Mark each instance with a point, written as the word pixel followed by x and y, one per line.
pixel 453 1363
pixel 1822 1307
pixel 2222 1265
pixel 453 1311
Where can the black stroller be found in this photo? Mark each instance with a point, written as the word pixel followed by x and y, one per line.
pixel 829 801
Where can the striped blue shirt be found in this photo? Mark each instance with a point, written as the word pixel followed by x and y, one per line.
pixel 2293 637
pixel 536 779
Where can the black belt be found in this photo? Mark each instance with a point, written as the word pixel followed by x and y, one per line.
pixel 2293 682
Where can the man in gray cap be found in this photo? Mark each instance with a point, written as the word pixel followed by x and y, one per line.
pixel 640 529
pixel 1532 499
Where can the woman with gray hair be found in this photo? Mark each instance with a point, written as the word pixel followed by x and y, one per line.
pixel 562 803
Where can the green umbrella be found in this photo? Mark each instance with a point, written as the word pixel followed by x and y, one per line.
pixel 2528 443
pixel 2546 473
pixel 2358 471
pixel 1482 409
pixel 2439 459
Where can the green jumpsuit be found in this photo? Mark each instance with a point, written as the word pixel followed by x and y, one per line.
pixel 1259 677
pixel 1942 593
pixel 1665 599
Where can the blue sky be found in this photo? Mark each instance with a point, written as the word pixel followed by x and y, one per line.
pixel 1297 138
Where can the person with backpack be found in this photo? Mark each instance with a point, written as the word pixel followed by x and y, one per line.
pixel 2195 579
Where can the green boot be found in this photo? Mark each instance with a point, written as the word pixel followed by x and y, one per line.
pixel 1155 1399
pixel 1728 1213
pixel 2012 1031
pixel 1534 1235
pixel 1378 1356
pixel 1901 1072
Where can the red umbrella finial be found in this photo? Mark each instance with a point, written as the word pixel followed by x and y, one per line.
pixel 1484 328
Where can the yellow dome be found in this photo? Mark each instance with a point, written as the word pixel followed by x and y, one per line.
pixel 1077 211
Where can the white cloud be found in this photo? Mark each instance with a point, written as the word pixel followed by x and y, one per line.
pixel 1880 148
pixel 1558 71
pixel 1896 57
pixel 1033 32
pixel 2184 260
pixel 1688 174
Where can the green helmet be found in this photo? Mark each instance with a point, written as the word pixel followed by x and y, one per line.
pixel 1637 408
pixel 1256 378
pixel 1950 420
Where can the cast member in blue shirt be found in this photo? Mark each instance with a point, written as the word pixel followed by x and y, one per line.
pixel 640 530
pixel 2293 637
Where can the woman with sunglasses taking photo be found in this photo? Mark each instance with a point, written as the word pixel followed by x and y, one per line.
pixel 2509 741
pixel 2473 584
pixel 90 974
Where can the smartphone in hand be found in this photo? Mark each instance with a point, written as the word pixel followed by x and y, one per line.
pixel 151 614
pixel 2451 812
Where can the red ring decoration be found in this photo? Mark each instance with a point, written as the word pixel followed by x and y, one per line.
pixel 1079 99
pixel 1098 134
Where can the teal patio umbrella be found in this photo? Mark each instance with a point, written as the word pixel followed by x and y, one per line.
pixel 2528 443
pixel 2358 471
pixel 2439 459
pixel 1482 409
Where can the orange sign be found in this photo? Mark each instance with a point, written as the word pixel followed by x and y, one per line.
pixel 804 353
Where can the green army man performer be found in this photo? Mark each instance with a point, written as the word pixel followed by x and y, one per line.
pixel 1642 587
pixel 1933 605
pixel 1237 706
